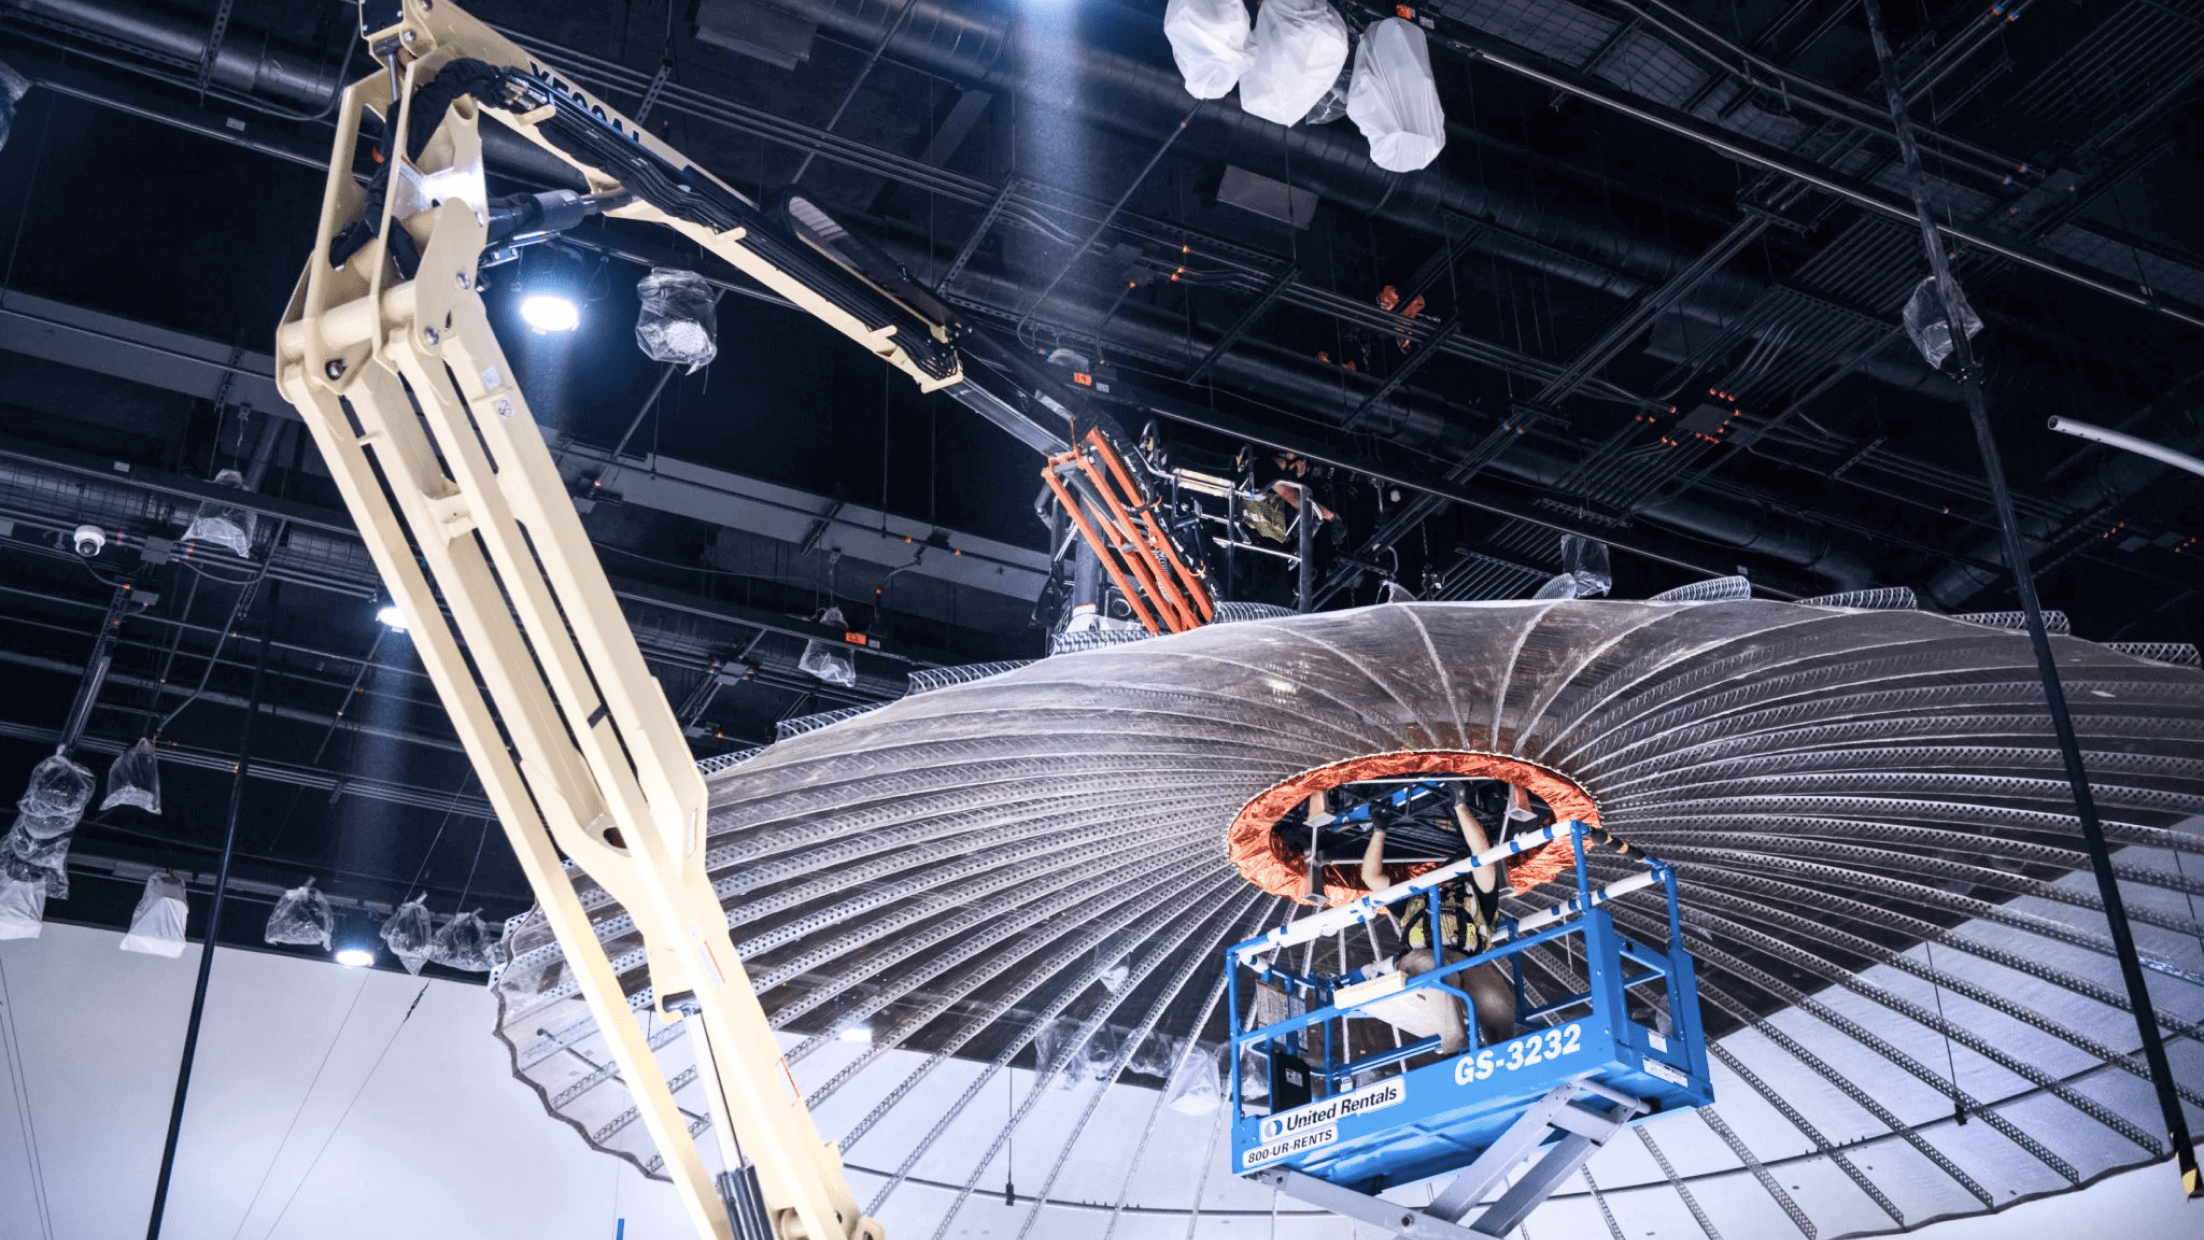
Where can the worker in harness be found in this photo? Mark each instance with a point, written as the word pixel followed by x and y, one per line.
pixel 1468 907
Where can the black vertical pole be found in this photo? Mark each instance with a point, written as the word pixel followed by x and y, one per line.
pixel 214 922
pixel 2016 555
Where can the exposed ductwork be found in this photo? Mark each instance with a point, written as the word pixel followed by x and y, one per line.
pixel 1576 241
pixel 1420 421
pixel 249 63
pixel 992 50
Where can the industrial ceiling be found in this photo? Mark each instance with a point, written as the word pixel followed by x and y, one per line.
pixel 1661 265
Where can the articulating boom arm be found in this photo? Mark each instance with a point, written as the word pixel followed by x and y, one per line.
pixel 388 354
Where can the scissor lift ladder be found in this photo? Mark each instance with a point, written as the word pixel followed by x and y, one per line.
pixel 1341 1130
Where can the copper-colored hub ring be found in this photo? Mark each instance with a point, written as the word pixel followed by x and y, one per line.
pixel 1277 867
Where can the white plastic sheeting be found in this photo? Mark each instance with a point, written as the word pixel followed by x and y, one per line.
pixel 301 919
pixel 35 851
pixel 134 779
pixel 830 661
pixel 1929 324
pixel 1198 1085
pixel 1394 99
pixel 1209 40
pixel 464 944
pixel 678 322
pixel 1300 47
pixel 411 934
pixel 157 924
pixel 1584 570
pixel 22 907
pixel 224 525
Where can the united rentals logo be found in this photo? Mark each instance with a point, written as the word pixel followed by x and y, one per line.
pixel 1332 1110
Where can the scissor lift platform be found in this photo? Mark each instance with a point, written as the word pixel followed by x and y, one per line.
pixel 1579 1071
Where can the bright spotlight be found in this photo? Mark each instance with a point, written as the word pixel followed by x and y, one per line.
pixel 355 957
pixel 857 1033
pixel 392 618
pixel 549 312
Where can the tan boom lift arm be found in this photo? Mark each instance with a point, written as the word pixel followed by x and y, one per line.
pixel 387 353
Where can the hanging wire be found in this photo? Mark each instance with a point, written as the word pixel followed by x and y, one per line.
pixel 1951 1066
pixel 365 1081
pixel 19 1083
pixel 285 1141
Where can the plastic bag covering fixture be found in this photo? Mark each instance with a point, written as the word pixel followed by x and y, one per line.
pixel 59 789
pixel 410 934
pixel 1300 47
pixel 22 908
pixel 1209 40
pixel 830 661
pixel 678 322
pixel 13 86
pixel 1198 1085
pixel 464 944
pixel 1075 1065
pixel 36 848
pixel 1930 326
pixel 157 925
pixel 1333 104
pixel 301 919
pixel 225 525
pixel 1394 99
pixel 135 779
pixel 1584 570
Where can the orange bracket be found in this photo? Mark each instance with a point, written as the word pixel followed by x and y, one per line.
pixel 1102 549
pixel 1177 595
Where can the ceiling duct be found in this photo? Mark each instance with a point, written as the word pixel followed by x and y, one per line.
pixel 1266 196
pixel 1571 237
pixel 1848 563
pixel 760 31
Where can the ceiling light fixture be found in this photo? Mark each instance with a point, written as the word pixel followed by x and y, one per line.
pixel 549 312
pixel 355 957
pixel 392 618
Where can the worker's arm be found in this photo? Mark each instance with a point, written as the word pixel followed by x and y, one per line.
pixel 1487 877
pixel 1373 862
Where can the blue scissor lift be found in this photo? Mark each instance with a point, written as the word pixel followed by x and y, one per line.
pixel 1579 1071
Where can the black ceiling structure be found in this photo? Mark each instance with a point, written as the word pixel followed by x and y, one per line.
pixel 1662 260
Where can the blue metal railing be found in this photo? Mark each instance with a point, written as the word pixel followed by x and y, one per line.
pixel 1319 1042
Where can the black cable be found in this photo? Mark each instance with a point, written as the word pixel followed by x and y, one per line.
pixel 1951 1065
pixel 2016 557
pixel 214 924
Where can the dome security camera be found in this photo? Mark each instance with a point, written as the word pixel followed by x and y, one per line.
pixel 89 540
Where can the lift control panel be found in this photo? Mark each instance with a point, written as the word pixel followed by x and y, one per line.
pixel 1343 1086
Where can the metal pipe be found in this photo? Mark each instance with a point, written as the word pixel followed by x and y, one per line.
pixel 2141 447
pixel 2095 491
pixel 214 924
pixel 2016 557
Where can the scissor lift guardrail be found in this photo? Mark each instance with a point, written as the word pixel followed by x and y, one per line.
pixel 1580 1069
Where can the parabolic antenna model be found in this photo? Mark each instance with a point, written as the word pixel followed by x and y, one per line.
pixel 1910 1000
